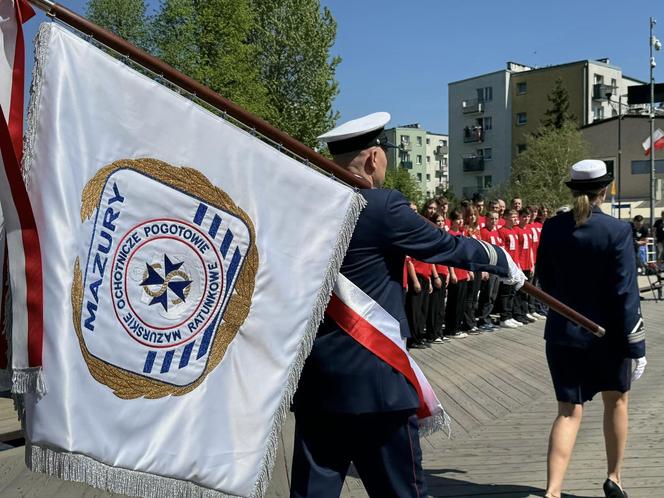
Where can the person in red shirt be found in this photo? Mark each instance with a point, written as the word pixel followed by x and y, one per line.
pixel 471 229
pixel 536 309
pixel 443 210
pixel 457 287
pixel 506 292
pixel 489 286
pixel 436 312
pixel 478 203
pixel 417 300
pixel 526 262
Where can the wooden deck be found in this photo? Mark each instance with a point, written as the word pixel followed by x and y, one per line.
pixel 497 390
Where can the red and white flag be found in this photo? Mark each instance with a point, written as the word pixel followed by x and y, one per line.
pixel 23 320
pixel 186 273
pixel 659 141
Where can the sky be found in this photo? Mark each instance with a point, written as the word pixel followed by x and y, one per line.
pixel 399 56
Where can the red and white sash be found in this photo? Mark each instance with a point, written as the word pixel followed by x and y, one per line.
pixel 374 328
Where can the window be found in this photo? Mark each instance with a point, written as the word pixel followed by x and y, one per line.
pixel 428 177
pixel 614 83
pixel 521 118
pixel 598 113
pixel 598 78
pixel 444 161
pixel 405 139
pixel 485 94
pixel 479 181
pixel 419 141
pixel 442 142
pixel 521 88
pixel 428 159
pixel 487 181
pixel 418 159
pixel 520 148
pixel 419 177
pixel 609 166
pixel 487 154
pixel 428 141
pixel 488 123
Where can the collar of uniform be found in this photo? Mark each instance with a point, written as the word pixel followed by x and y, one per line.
pixel 597 209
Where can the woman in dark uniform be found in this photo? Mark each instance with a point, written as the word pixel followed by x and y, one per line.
pixel 586 260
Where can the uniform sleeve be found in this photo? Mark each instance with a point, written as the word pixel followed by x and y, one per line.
pixel 627 296
pixel 411 234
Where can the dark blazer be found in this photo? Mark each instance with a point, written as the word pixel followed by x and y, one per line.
pixel 340 375
pixel 592 269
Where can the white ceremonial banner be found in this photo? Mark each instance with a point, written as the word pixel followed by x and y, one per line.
pixel 187 265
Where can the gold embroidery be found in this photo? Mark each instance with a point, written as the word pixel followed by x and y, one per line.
pixel 129 385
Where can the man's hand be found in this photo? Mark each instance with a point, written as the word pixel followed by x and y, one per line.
pixel 437 282
pixel 639 367
pixel 516 276
pixel 417 287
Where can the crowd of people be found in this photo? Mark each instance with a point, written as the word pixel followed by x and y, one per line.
pixel 443 302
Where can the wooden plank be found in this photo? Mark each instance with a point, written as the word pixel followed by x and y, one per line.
pixel 10 427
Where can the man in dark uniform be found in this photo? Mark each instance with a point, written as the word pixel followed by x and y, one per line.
pixel 350 404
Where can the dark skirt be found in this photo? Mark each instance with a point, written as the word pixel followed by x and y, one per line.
pixel 578 374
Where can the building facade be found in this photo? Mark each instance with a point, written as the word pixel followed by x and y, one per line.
pixel 423 154
pixel 493 114
pixel 632 167
pixel 479 131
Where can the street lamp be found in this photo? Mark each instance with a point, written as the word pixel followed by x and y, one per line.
pixel 657 45
pixel 618 170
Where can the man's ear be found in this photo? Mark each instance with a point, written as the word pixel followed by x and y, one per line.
pixel 371 161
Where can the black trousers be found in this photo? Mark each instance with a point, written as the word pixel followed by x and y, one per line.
pixel 506 301
pixel 470 303
pixel 384 447
pixel 436 313
pixel 488 294
pixel 456 297
pixel 417 304
pixel 521 300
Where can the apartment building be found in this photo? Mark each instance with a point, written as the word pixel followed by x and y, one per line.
pixel 424 154
pixel 491 115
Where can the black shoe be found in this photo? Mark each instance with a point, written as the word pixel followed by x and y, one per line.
pixel 612 490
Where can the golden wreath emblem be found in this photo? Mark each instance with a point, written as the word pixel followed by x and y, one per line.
pixel 167 277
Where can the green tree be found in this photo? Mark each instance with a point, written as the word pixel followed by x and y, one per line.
pixel 209 41
pixel 399 179
pixel 539 172
pixel 125 18
pixel 293 39
pixel 558 112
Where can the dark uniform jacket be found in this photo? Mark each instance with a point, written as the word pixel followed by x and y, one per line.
pixel 341 375
pixel 592 269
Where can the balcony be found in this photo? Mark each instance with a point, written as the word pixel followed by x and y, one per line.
pixel 468 192
pixel 473 163
pixel 405 146
pixel 441 150
pixel 603 92
pixel 440 173
pixel 472 106
pixel 473 134
pixel 407 164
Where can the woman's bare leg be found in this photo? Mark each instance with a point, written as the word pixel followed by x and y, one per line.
pixel 561 443
pixel 615 431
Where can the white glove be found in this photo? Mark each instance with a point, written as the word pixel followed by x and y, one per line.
pixel 639 367
pixel 516 276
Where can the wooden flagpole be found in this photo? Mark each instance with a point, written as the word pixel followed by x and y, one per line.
pixel 174 76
